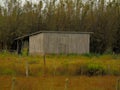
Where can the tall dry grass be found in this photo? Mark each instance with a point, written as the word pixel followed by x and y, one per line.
pixel 14 65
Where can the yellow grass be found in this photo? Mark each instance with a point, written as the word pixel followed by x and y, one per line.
pixel 58 83
pixel 62 64
pixel 58 68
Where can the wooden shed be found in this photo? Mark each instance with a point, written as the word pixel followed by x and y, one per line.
pixel 55 42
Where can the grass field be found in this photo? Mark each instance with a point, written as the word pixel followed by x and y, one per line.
pixel 58 83
pixel 83 72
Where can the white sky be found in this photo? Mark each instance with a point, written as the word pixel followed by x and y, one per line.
pixel 1 1
pixel 22 0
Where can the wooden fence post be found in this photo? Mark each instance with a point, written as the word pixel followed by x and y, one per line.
pixel 13 83
pixel 44 60
pixel 117 86
pixel 27 69
pixel 66 83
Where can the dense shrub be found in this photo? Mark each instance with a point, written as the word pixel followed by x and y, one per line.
pixel 90 69
pixel 95 69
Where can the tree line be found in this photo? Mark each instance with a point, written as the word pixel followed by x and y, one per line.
pixel 98 16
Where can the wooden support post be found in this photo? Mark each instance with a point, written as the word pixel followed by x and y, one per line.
pixel 17 47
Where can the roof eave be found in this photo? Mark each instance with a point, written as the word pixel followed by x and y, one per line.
pixel 70 32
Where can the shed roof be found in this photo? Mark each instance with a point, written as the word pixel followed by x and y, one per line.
pixel 66 32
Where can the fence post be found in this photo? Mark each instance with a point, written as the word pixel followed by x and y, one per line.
pixel 44 60
pixel 66 83
pixel 117 86
pixel 27 69
pixel 13 83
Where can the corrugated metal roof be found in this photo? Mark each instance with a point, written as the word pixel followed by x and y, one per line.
pixel 66 32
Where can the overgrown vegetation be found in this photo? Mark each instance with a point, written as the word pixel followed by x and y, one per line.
pixel 98 16
pixel 71 65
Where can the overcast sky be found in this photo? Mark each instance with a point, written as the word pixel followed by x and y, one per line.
pixel 36 1
pixel 23 0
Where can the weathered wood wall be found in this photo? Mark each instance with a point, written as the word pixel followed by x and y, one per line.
pixel 36 44
pixel 59 43
pixel 66 43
